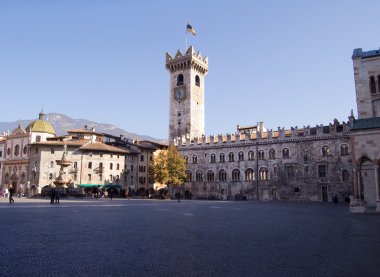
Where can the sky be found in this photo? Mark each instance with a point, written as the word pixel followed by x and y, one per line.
pixel 284 63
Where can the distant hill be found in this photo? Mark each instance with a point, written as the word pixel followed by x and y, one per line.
pixel 62 123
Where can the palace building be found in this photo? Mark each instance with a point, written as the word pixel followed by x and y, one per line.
pixel 308 163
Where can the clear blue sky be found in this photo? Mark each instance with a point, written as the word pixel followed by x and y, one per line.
pixel 287 63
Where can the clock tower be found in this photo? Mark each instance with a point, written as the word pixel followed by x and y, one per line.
pixel 186 97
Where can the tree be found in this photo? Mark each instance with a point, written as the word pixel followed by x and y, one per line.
pixel 168 167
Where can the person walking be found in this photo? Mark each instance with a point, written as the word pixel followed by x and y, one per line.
pixel 11 192
pixel 52 195
pixel 335 198
pixel 57 195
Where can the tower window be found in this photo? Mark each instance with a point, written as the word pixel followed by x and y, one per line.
pixel 180 80
pixel 197 81
pixel 372 84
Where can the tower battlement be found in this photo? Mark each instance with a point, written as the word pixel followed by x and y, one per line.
pixel 293 134
pixel 188 60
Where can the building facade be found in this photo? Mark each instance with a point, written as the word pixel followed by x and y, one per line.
pixel 15 165
pixel 365 132
pixel 309 163
pixel 94 163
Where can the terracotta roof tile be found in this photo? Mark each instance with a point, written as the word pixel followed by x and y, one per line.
pixel 98 146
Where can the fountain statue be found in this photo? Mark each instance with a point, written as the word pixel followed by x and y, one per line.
pixel 62 179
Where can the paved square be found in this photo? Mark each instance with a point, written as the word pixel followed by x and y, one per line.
pixel 191 238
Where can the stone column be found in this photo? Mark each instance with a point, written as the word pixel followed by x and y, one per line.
pixel 356 193
pixel 359 183
pixel 377 182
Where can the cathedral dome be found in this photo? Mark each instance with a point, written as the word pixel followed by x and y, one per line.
pixel 40 125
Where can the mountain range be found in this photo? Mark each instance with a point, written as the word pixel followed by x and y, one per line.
pixel 62 123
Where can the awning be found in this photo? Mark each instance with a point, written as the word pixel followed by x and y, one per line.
pixel 90 185
pixel 112 186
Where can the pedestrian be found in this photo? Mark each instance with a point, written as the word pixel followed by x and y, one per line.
pixel 178 195
pixel 335 199
pixel 11 191
pixel 111 194
pixel 57 194
pixel 52 195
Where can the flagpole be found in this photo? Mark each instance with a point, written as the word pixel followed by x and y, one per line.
pixel 186 37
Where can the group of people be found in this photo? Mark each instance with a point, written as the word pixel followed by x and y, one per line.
pixel 55 194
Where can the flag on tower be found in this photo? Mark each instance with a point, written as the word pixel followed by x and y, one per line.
pixel 190 29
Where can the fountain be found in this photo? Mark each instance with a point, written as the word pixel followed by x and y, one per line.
pixel 62 179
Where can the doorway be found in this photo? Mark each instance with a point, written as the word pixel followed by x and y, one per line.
pixel 325 197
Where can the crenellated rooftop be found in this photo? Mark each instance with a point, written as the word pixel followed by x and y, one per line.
pixel 186 60
pixel 293 134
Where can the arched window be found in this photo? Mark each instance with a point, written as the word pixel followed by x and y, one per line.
pixel 325 151
pixel 272 154
pixel 117 166
pixel 275 172
pixel 189 176
pixel 213 158
pixel 261 154
pixel 89 177
pixel 100 166
pixel 221 157
pixel 263 173
pixel 90 165
pixel 344 150
pixel 235 175
pixel 345 175
pixel 111 166
pixel 372 84
pixel 285 153
pixel 100 177
pixel 75 165
pixel 210 176
pixel 180 80
pixel 23 177
pixel 51 176
pixel 17 150
pixel 51 164
pixel 199 176
pixel 197 81
pixel 195 159
pixel 249 174
pixel 251 155
pixel 222 175
pixel 231 157
pixel 25 150
pixel 186 159
pixel 241 156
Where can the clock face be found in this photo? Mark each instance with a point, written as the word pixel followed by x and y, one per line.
pixel 179 93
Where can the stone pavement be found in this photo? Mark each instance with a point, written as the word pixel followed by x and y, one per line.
pixel 191 238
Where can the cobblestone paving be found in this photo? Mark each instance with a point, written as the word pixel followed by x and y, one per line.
pixel 191 238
